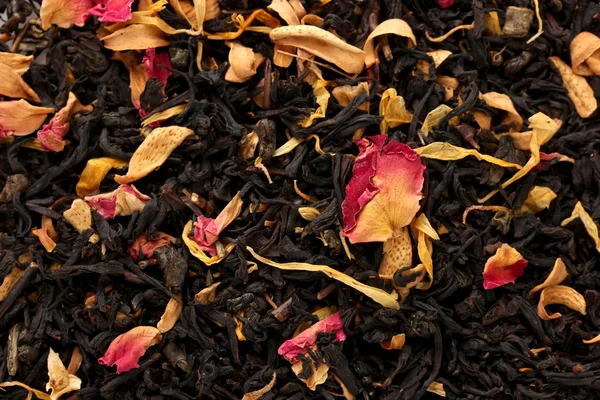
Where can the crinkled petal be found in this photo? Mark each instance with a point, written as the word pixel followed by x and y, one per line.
pixel 563 295
pixel 503 267
pixel 578 89
pixel 94 172
pixel 198 252
pixel 127 348
pixel 384 193
pixel 393 26
pixel 20 118
pixel 207 230
pixel 147 246
pixel 60 380
pixel 123 201
pixel 51 135
pixel 64 13
pixel 503 102
pixel 112 10
pixel 305 340
pixel 152 65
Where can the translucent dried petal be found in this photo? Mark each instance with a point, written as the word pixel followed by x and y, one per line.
pixel 207 230
pixel 243 63
pixel 285 10
pixel 171 315
pixel 557 276
pixel 433 118
pixel 384 193
pixel 127 348
pixel 585 54
pixel 425 233
pixel 121 202
pixel 538 199
pixel 207 295
pixel 60 380
pixel 503 267
pixel 51 135
pixel 17 62
pixel 322 44
pixel 19 118
pixel 147 246
pixel 503 102
pixel 437 388
pixel 135 37
pixel 562 295
pixel 94 172
pixel 447 152
pixel 588 222
pixel 153 152
pixel 393 26
pixel 305 340
pixel 197 251
pixel 38 393
pixel 258 393
pixel 395 343
pixel 393 110
pixel 397 253
pixel 382 297
pixel 64 13
pixel 439 56
pixel 579 91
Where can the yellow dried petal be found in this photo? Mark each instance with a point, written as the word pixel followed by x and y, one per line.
pixel 60 380
pixel 322 44
pixel 153 152
pixel 449 33
pixel 483 208
pixel 197 252
pixel 562 295
pixel 207 295
pixel 135 37
pixel 258 393
pixel 579 91
pixel 393 26
pixel 94 172
pixel 437 388
pixel 382 297
pixel 585 54
pixel 492 24
pixel 447 152
pixel 292 143
pixel 396 343
pixel 19 118
pixel 393 110
pixel 538 199
pixel 439 56
pixel 165 114
pixel 593 340
pixel 433 118
pixel 306 197
pixel 171 315
pixel 322 98
pixel 503 102
pixel 588 222
pixel 425 233
pixel 17 62
pixel 557 276
pixel 38 393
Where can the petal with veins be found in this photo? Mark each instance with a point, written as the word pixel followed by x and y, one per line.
pixel 125 351
pixel 64 13
pixel 503 267
pixel 557 275
pixel 562 295
pixel 207 230
pixel 60 380
pixel 19 118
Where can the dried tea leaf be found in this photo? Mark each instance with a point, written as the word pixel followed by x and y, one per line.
pixel 171 314
pixel 562 295
pixel 538 199
pixel 447 152
pixel 393 110
pixel 19 118
pixel 153 152
pixel 503 102
pixel 503 267
pixel 433 118
pixel 207 295
pixel 123 201
pixel 449 33
pixel 94 172
pixel 45 239
pixel 557 276
pixel 135 37
pixel 290 349
pixel 197 251
pixel 579 91
pixel 9 281
pixel 393 26
pixel 585 54
pixel 17 62
pixel 437 388
pixel 38 393
pixel 382 297
pixel 285 10
pixel 588 222
pixel 395 343
pixel 322 98
pixel 258 393
pixel 243 63
pixel 439 56
pixel 127 348
pixel 318 377
pixel 60 380
pixel 322 44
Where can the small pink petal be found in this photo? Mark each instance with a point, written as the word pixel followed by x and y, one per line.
pixel 125 351
pixel 305 340
pixel 207 230
pixel 121 202
pixel 51 136
pixel 445 3
pixel 147 246
pixel 152 60
pixel 503 267
pixel 112 10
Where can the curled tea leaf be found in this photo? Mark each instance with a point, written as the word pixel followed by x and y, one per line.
pixel 562 295
pixel 557 276
pixel 579 91
pixel 257 394
pixel 393 26
pixel 127 348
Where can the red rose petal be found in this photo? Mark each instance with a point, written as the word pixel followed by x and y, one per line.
pixel 503 267
pixel 125 351
pixel 147 246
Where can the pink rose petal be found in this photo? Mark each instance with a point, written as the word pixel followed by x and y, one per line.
pixel 503 267
pixel 147 246
pixel 112 10
pixel 125 351
pixel 123 201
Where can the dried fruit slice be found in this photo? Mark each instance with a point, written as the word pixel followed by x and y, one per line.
pixel 503 267
pixel 127 348
pixel 562 295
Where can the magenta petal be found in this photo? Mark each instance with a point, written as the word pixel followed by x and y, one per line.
pixel 305 340
pixel 112 10
pixel 152 60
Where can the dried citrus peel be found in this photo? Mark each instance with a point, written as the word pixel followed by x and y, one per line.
pixel 562 295
pixel 556 277
pixel 394 26
pixel 578 89
pixel 382 297
pixel 503 267
pixel 588 222
pixel 80 217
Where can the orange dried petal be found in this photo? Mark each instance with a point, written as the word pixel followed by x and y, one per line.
pixel 503 102
pixel 588 223
pixel 9 281
pixel 395 343
pixel 45 239
pixel 585 54
pixel 171 315
pixel 207 295
pixel 17 62
pixel 19 118
pixel 94 172
pixel 557 275
pixel 64 13
pixel 562 295
pixel 243 63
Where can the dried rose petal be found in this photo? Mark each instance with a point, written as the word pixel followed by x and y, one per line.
pixel 147 245
pixel 127 348
pixel 112 10
pixel 503 267
pixel 207 230
pixel 445 3
pixel 299 344
pixel 123 201
pixel 51 135
pixel 155 63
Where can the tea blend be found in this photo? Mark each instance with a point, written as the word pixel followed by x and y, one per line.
pixel 299 199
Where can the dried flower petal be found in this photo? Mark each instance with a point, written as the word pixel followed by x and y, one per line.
pixel 447 152
pixel 19 118
pixel 492 24
pixel 305 340
pixel 45 240
pixel 207 230
pixel 38 393
pixel 156 64
pixel 64 13
pixel 94 172
pixel 9 281
pixel 557 275
pixel 434 117
pixel 112 10
pixel 127 348
pixel 393 110
pixel 197 251
pixel 60 380
pixel 322 44
pixel 260 15
pixel 17 62
pixel 121 202
pixel 137 74
pixel 257 394
pixel 207 295
pixel 449 33
pixel 585 54
pixel 562 295
pixel 439 56
pixel 147 245
pixel 285 10
pixel 171 315
pixel 135 37
pixel 503 102
pixel 593 340
pixel 425 233
pixel 437 388
pixel 322 98
pixel 51 135
pixel 80 216
pixel 538 199
pixel 384 193
pixel 503 267
pixel 163 115
pixel 395 343
pixel 382 297
pixel 153 152
pixel 578 89
pixel 393 26
pixel 318 377
pixel 588 222
pixel 243 63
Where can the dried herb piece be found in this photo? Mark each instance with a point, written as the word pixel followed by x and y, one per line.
pixel 126 349
pixel 505 266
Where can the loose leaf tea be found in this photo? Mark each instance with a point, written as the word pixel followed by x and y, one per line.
pixel 299 199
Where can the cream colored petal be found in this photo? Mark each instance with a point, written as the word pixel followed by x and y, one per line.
pixel 503 102
pixel 12 85
pixel 20 118
pixel 285 10
pixel 584 47
pixel 171 315
pixel 538 199
pixel 557 276
pixel 17 62
pixel 207 295
pixel 394 26
pixel 562 295
pixel 588 222
pixel 447 152
pixel 579 91
pixel 60 380
pixel 135 37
